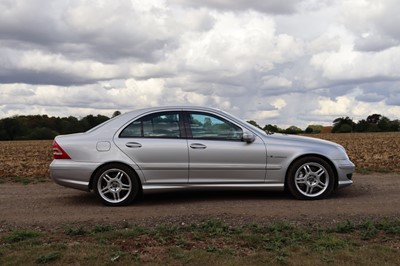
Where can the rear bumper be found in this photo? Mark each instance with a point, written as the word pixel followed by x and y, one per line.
pixel 72 174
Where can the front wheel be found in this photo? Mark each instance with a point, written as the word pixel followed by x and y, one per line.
pixel 310 178
pixel 116 185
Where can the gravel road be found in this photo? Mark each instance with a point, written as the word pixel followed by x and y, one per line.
pixel 48 205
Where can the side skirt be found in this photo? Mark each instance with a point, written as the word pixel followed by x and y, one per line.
pixel 149 188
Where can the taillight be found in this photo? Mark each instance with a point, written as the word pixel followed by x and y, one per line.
pixel 58 152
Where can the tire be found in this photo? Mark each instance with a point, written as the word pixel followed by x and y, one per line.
pixel 310 178
pixel 116 185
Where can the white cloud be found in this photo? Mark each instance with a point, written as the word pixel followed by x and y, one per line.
pixel 264 115
pixel 279 103
pixel 352 65
pixel 39 62
pixel 276 82
pixel 338 107
pixel 235 43
pixel 270 7
pixel 374 23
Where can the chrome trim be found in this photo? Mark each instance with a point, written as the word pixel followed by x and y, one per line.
pixel 208 186
pixel 349 167
pixel 343 184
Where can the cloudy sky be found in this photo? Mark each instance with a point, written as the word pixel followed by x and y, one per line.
pixel 293 62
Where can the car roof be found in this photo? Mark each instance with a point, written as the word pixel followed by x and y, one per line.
pixel 177 107
pixel 115 123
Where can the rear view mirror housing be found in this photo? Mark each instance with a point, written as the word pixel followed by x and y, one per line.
pixel 248 137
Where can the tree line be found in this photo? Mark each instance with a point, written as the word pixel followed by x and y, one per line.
pixel 373 123
pixel 40 127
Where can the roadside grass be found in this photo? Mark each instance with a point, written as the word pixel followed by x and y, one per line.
pixel 25 180
pixel 369 170
pixel 211 242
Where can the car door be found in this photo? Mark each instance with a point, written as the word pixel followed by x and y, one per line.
pixel 217 153
pixel 157 144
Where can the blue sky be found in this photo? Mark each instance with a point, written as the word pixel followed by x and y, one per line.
pixel 295 62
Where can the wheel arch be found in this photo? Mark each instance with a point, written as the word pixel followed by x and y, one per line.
pixel 110 163
pixel 326 159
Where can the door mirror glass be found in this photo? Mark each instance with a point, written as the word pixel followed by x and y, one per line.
pixel 248 137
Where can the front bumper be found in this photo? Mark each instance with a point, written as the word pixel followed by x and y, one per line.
pixel 345 169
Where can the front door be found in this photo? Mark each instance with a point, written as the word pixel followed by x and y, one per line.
pixel 217 153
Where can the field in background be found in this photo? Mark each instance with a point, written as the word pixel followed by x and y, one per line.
pixel 370 151
pixel 28 161
pixel 25 159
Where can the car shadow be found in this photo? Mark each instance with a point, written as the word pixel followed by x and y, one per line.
pixel 79 198
pixel 351 192
pixel 197 196
pixel 203 196
pixel 182 197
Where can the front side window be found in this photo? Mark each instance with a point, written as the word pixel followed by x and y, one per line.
pixel 206 126
pixel 160 125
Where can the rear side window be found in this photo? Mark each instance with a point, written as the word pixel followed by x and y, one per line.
pixel 160 125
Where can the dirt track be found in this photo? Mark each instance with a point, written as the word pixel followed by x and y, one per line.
pixel 48 205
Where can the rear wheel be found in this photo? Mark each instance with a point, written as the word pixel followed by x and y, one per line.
pixel 116 185
pixel 310 178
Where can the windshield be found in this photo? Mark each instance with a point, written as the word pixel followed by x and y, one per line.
pixel 258 130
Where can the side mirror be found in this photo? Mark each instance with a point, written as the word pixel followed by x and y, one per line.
pixel 248 137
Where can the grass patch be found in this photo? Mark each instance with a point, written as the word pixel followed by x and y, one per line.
pixel 100 228
pixel 22 180
pixel 329 242
pixel 343 228
pixel 212 242
pixel 75 230
pixel 368 170
pixel 50 257
pixel 22 235
pixel 25 180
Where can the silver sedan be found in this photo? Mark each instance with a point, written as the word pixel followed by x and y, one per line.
pixel 170 148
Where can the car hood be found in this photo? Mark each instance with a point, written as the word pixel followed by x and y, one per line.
pixel 276 143
pixel 298 140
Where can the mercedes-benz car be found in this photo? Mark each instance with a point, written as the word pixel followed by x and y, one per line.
pixel 174 148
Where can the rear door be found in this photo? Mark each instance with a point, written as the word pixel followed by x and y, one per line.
pixel 217 153
pixel 157 144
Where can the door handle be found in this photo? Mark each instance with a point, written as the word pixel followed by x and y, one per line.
pixel 198 146
pixel 133 145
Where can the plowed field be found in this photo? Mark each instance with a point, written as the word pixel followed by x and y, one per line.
pixel 25 158
pixel 376 151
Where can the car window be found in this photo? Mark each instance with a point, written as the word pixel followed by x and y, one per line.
pixel 205 126
pixel 160 125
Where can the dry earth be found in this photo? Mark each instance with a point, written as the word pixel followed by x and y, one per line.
pixel 47 205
